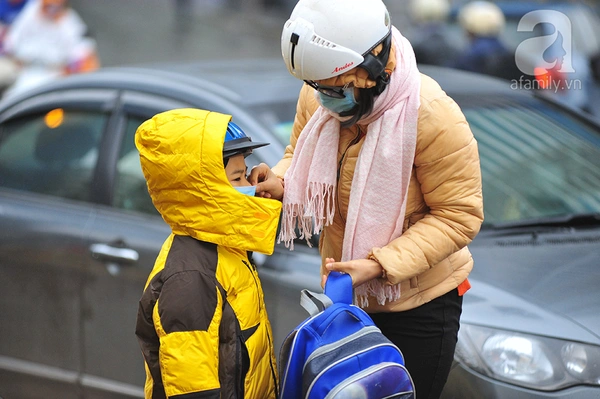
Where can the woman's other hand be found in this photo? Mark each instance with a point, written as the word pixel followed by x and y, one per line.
pixel 361 270
pixel 268 185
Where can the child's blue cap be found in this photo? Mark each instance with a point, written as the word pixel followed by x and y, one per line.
pixel 237 142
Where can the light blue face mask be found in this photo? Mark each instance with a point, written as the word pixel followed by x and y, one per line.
pixel 339 105
pixel 248 190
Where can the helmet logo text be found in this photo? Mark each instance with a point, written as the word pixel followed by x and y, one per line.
pixel 338 69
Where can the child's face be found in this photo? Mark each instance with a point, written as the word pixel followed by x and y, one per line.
pixel 236 171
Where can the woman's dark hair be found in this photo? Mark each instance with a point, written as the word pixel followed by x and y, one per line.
pixel 365 100
pixel 375 66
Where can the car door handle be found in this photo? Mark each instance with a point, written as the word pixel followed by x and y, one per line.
pixel 108 253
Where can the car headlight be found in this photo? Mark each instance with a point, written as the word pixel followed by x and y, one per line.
pixel 529 361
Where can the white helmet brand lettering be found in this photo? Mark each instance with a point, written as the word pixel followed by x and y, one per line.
pixel 342 68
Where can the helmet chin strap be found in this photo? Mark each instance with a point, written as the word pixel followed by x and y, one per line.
pixel 375 65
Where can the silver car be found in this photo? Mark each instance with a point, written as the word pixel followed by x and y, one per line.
pixel 79 235
pixel 78 232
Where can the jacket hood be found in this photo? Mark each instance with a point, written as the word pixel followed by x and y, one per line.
pixel 181 154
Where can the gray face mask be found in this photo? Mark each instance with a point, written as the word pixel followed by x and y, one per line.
pixel 339 105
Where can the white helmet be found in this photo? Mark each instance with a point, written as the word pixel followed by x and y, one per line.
pixel 325 38
pixel 424 11
pixel 482 18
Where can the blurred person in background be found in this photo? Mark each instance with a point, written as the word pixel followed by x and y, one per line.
pixel 483 23
pixel 47 40
pixel 430 38
pixel 9 9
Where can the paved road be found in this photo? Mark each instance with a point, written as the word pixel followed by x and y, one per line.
pixel 142 31
pixel 146 31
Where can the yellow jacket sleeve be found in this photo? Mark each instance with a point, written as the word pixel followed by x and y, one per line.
pixel 187 318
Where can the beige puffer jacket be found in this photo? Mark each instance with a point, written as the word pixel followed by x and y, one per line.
pixel 444 209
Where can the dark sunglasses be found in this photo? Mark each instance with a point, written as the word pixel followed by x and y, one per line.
pixel 330 91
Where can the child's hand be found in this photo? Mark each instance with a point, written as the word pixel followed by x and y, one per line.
pixel 268 185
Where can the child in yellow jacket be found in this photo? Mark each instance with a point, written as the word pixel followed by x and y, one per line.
pixel 202 323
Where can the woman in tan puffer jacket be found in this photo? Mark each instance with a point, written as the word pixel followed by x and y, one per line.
pixel 382 164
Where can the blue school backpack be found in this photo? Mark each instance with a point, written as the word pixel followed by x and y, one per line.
pixel 339 353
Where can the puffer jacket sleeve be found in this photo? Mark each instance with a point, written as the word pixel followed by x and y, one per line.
pixel 447 168
pixel 188 318
pixel 305 107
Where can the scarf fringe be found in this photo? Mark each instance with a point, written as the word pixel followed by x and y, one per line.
pixel 310 219
pixel 378 289
pixel 320 204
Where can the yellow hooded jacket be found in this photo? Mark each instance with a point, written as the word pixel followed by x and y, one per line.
pixel 202 323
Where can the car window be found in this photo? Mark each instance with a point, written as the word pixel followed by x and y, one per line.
pixel 131 191
pixel 537 160
pixel 51 153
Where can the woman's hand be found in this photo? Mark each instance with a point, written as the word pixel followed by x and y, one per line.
pixel 268 185
pixel 361 270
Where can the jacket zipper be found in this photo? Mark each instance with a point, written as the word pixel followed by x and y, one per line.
pixel 273 372
pixel 242 371
pixel 252 267
pixel 354 141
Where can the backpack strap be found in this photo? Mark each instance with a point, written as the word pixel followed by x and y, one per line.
pixel 339 288
pixel 313 302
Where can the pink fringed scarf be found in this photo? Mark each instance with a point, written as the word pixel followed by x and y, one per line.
pixel 381 177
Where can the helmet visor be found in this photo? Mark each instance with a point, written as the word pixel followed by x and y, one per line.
pixel 237 142
pixel 330 91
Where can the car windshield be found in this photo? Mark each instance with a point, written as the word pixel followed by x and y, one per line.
pixel 537 160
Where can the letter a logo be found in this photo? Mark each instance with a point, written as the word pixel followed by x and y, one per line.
pixel 549 51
